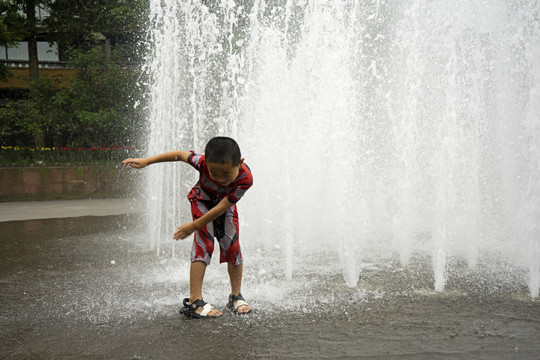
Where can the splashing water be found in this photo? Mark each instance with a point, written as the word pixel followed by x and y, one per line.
pixel 375 130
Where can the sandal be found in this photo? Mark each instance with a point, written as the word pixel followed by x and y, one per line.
pixel 189 309
pixel 235 301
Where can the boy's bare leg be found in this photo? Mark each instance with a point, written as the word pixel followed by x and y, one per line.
pixel 196 276
pixel 235 274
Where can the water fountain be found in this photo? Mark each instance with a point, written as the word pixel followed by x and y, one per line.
pixel 376 130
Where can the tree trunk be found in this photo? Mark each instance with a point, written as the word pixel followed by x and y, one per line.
pixel 107 50
pixel 33 65
pixel 31 22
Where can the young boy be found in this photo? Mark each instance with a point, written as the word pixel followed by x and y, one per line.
pixel 223 180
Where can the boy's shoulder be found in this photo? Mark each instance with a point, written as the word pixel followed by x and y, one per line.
pixel 196 160
pixel 195 156
pixel 245 174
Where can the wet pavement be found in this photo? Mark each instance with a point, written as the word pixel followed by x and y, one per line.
pixel 30 210
pixel 90 287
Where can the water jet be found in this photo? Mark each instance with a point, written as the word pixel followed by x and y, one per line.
pixel 375 130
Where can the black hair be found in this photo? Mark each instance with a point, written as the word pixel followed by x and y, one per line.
pixel 222 150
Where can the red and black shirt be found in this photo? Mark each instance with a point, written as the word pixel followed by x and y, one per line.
pixel 210 191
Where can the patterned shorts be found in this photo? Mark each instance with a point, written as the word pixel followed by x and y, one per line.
pixel 225 229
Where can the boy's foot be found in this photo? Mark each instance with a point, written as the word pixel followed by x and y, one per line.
pixel 238 305
pixel 199 309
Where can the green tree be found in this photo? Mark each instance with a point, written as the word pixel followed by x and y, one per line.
pixel 20 22
pixel 103 100
pixel 116 22
pixel 103 40
pixel 11 31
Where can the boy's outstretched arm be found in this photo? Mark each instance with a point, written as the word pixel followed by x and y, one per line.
pixel 212 214
pixel 168 156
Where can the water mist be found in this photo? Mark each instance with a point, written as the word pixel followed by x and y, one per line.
pixel 404 131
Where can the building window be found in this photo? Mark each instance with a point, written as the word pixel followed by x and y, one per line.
pixel 46 52
pixel 41 12
pixel 18 53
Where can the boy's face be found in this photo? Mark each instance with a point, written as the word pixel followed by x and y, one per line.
pixel 224 174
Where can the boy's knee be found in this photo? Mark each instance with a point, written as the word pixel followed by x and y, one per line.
pixel 202 250
pixel 199 262
pixel 202 259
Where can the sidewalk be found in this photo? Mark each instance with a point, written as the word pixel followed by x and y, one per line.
pixel 30 210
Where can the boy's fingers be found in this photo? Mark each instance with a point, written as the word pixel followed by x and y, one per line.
pixel 134 163
pixel 179 235
pixel 183 232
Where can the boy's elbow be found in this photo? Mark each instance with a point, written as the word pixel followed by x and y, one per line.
pixel 226 204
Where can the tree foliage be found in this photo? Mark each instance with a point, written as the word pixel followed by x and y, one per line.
pixel 102 106
pixel 104 102
pixel 11 31
pixel 11 24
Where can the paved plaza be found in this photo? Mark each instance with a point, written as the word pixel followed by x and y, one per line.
pixel 33 210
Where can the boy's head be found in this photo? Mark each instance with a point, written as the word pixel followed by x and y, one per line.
pixel 223 159
pixel 222 150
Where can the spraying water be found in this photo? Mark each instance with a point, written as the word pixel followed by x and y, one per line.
pixel 374 129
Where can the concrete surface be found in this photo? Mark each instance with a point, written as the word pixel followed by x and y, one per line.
pixel 31 210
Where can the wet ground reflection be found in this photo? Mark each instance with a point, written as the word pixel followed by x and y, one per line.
pixel 91 287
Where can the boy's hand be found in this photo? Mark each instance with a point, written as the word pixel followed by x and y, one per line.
pixel 184 231
pixel 135 163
